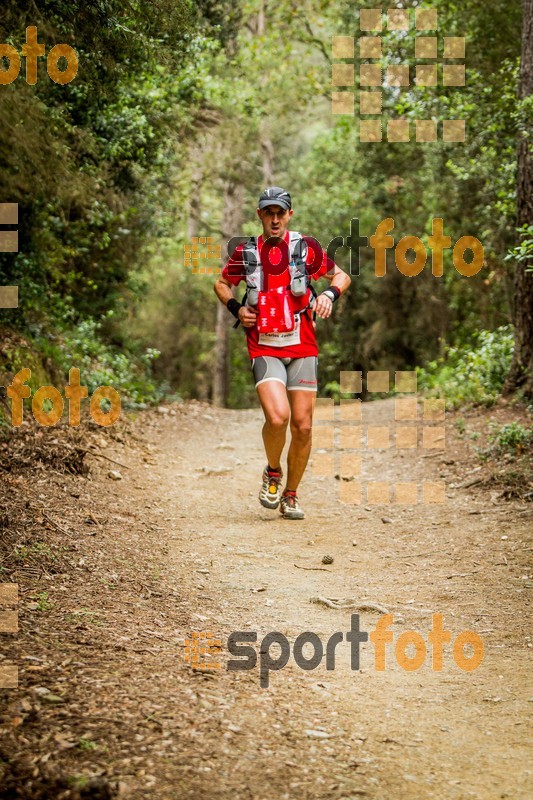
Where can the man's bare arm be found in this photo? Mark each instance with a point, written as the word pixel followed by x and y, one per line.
pixel 338 279
pixel 224 292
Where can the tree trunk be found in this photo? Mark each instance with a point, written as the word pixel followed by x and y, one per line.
pixel 193 222
pixel 202 383
pixel 261 18
pixel 232 220
pixel 267 149
pixel 268 159
pixel 521 372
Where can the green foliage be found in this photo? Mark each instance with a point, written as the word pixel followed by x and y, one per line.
pixel 87 744
pixel 43 603
pixel 511 438
pixel 88 164
pixel 242 392
pixel 79 782
pixel 173 99
pixel 524 250
pixel 472 374
pixel 460 424
pixel 101 364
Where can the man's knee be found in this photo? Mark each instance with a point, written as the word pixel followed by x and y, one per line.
pixel 277 420
pixel 301 428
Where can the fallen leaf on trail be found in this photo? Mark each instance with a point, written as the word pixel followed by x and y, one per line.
pixel 64 743
pixel 318 734
pixel 216 470
pixel 52 699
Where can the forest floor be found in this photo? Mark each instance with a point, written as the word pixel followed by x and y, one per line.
pixel 114 573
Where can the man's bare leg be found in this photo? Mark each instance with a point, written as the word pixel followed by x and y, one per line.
pixel 275 405
pixel 302 405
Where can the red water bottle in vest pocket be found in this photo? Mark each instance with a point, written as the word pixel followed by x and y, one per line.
pixel 275 315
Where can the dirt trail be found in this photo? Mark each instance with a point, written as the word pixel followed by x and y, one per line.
pixel 198 538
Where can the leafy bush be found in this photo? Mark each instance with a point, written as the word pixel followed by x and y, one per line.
pixel 50 356
pixel 101 364
pixel 511 438
pixel 471 375
pixel 524 250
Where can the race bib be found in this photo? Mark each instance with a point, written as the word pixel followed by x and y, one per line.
pixel 283 338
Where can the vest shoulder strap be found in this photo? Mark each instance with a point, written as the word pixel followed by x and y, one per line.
pixel 297 254
pixel 298 250
pixel 250 255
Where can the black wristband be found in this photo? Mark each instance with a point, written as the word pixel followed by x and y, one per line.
pixel 334 291
pixel 233 307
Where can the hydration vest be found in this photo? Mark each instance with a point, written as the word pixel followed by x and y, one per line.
pixel 300 281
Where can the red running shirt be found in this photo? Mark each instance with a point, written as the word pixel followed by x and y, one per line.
pixel 276 275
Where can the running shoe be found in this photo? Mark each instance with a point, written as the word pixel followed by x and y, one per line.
pixel 290 507
pixel 270 493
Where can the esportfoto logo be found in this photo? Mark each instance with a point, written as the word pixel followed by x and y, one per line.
pixel 203 649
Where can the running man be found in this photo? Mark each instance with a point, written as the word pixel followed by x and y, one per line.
pixel 278 268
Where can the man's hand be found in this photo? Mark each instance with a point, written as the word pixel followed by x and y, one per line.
pixel 248 316
pixel 323 306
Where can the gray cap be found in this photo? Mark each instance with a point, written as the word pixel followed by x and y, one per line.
pixel 275 196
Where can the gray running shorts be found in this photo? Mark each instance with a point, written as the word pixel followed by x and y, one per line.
pixel 294 373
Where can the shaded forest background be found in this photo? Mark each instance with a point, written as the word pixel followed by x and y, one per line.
pixel 180 114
